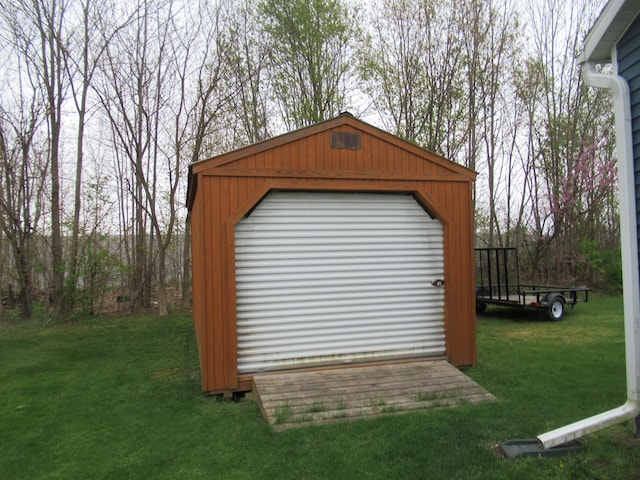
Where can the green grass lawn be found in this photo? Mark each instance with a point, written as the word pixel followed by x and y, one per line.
pixel 120 398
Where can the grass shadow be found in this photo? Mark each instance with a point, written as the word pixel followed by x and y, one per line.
pixel 512 314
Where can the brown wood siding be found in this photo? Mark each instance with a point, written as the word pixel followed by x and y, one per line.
pixel 219 267
pixel 198 283
pixel 314 154
pixel 227 190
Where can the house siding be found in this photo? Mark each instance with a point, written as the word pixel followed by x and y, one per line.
pixel 628 50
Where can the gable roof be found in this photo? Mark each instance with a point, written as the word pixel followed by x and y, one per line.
pixel 343 119
pixel 612 23
pixel 235 158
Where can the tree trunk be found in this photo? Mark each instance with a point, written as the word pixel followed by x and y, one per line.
pixel 77 205
pixel 139 260
pixel 25 294
pixel 163 301
pixel 56 233
pixel 3 292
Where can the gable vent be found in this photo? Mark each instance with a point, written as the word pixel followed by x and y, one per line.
pixel 346 140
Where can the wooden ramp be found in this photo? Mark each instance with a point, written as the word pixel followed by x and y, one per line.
pixel 300 398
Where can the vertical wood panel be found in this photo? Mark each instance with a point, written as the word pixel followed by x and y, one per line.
pixel 290 155
pixel 404 156
pixel 419 167
pixel 259 159
pixel 252 161
pixel 369 150
pixel 268 159
pixel 198 285
pixel 346 159
pixel 386 164
pixel 455 248
pixel 320 155
pixel 360 164
pixel 215 299
pixel 369 154
pixel 410 163
pixel 208 260
pixel 426 167
pixel 472 349
pixel 225 332
pixel 454 282
pixel 462 333
pixel 335 159
pixel 198 236
pixel 449 231
pixel 310 153
pixel 230 334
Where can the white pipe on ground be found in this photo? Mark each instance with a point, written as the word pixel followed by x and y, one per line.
pixel 629 246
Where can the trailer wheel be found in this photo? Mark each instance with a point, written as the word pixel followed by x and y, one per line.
pixel 555 308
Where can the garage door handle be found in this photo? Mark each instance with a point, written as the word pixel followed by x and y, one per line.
pixel 438 283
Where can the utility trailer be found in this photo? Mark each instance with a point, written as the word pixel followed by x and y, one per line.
pixel 498 283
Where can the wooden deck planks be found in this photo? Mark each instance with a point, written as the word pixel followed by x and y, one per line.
pixel 291 399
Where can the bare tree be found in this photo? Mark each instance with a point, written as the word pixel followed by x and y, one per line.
pixel 61 42
pixel 473 30
pixel 522 208
pixel 163 109
pixel 439 75
pixel 48 49
pixel 494 59
pixel 129 96
pixel 411 69
pixel 201 54
pixel 23 171
pixel 247 66
pixel 95 30
pixel 309 43
pixel 38 38
pixel 223 84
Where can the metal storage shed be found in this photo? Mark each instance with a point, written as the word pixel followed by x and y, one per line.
pixel 334 244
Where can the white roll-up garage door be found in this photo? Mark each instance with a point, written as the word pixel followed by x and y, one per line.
pixel 330 278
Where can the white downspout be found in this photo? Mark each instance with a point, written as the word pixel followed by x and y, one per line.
pixel 629 247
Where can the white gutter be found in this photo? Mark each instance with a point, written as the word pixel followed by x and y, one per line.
pixel 629 246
